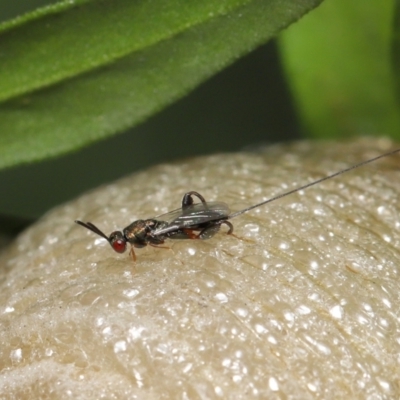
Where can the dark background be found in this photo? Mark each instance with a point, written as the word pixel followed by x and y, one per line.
pixel 246 104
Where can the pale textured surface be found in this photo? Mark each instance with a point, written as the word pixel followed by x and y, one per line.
pixel 306 307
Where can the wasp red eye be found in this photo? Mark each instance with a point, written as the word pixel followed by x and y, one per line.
pixel 119 245
pixel 118 241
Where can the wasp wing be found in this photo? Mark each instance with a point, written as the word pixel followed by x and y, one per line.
pixel 192 216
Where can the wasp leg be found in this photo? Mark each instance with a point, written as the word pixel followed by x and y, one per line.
pixel 188 234
pixel 159 247
pixel 188 199
pixel 209 232
pixel 132 253
pixel 152 240
pixel 230 232
pixel 212 230
pixel 155 242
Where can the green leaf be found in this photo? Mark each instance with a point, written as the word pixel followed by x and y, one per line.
pixel 396 47
pixel 72 74
pixel 339 63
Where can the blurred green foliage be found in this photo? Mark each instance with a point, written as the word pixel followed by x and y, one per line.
pixel 75 72
pixel 339 63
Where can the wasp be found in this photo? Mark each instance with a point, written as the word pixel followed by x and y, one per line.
pixel 193 220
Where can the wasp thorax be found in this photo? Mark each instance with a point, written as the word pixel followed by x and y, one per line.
pixel 118 241
pixel 137 232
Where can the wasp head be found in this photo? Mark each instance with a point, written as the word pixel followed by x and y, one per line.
pixel 116 239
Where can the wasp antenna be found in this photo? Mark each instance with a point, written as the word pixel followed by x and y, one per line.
pixel 93 228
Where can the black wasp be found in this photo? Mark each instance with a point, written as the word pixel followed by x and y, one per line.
pixel 193 220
